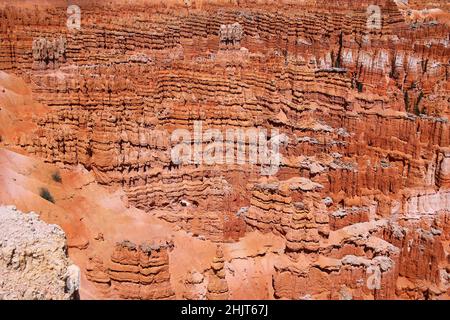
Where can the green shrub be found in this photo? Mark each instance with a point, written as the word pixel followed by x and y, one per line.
pixel 56 177
pixel 45 194
pixel 359 86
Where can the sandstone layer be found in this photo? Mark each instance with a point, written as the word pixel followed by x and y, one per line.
pixel 360 91
pixel 33 259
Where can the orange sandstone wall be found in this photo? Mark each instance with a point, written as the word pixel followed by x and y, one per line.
pixel 365 177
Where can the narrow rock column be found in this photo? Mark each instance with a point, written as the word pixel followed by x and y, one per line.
pixel 217 284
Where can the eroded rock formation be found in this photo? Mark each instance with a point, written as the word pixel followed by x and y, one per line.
pixel 230 35
pixel 217 284
pixel 134 271
pixel 33 259
pixel 359 208
pixel 48 52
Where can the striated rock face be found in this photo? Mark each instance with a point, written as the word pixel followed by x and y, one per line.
pixel 134 271
pixel 230 35
pixel 49 51
pixel 371 260
pixel 281 207
pixel 33 259
pixel 357 90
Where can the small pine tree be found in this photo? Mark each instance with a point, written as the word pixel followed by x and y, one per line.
pixel 406 99
pixel 45 194
pixel 56 177
pixel 416 105
pixel 359 86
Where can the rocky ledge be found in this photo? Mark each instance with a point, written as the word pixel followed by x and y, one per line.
pixel 33 259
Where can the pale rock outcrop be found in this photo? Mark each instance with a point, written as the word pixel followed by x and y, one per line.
pixel 33 259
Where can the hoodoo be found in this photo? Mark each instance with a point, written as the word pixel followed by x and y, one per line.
pixel 180 149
